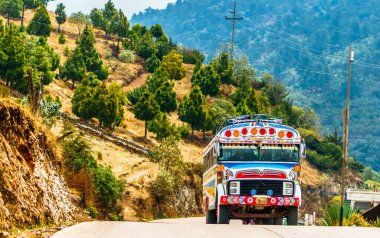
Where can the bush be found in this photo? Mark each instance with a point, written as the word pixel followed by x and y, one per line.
pixel 376 223
pixel 356 219
pixel 332 214
pixel 134 95
pixel 152 64
pixel 163 186
pixel 92 212
pixel 162 127
pixel 127 56
pixel 5 92
pixel 66 51
pixel 184 132
pixel 61 39
pixel 107 186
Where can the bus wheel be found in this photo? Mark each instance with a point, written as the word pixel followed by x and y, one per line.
pixel 222 217
pixel 279 221
pixel 268 221
pixel 293 216
pixel 211 216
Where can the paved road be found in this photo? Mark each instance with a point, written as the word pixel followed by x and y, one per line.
pixel 195 227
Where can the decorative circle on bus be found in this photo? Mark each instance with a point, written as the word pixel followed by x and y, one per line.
pixel 254 131
pixel 263 132
pixel 270 192
pixel 253 192
pixel 244 131
pixel 272 131
pixel 250 200
pixel 236 133
pixel 281 134
pixel 289 134
pixel 228 133
pixel 273 200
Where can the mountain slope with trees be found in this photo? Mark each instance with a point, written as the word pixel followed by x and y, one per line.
pixel 304 44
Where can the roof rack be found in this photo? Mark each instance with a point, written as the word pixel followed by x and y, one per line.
pixel 249 118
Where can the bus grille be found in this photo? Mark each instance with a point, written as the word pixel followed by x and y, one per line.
pixel 261 186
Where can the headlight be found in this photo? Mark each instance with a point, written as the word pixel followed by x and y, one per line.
pixel 234 188
pixel 288 188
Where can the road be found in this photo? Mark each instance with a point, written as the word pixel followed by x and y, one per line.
pixel 195 227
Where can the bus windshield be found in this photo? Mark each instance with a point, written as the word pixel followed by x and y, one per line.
pixel 280 153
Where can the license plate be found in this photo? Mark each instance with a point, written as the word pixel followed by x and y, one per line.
pixel 261 201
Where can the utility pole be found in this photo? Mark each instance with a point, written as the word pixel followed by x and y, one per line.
pixel 233 19
pixel 346 115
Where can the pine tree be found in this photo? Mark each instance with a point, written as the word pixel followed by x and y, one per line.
pixel 208 80
pixel 60 15
pixel 74 68
pixel 146 46
pixel 243 109
pixel 119 26
pixel 108 12
pixel 11 9
pixel 253 103
pixel 146 109
pixel 224 67
pixel 173 64
pixel 91 57
pixel 157 31
pixel 152 63
pixel 157 79
pixel 193 109
pixel 96 17
pixel 242 92
pixel 13 55
pixel 40 24
pixel 166 97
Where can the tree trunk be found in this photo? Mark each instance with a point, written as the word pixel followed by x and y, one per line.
pixel 146 131
pixel 118 46
pixel 72 85
pixel 59 28
pixel 100 124
pixel 23 14
pixel 192 131
pixel 204 134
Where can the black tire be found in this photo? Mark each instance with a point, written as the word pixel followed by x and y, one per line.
pixel 222 217
pixel 279 221
pixel 293 216
pixel 268 221
pixel 211 217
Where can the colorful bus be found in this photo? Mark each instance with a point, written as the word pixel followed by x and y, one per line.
pixel 251 172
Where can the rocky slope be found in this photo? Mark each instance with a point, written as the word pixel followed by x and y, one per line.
pixel 32 189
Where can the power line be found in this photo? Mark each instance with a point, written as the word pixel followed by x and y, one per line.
pixel 233 19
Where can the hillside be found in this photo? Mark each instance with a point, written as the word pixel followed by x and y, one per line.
pixel 33 191
pixel 136 170
pixel 303 44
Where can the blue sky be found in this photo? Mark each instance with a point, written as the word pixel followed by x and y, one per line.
pixel 128 6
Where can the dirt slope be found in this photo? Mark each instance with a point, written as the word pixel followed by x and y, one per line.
pixel 32 190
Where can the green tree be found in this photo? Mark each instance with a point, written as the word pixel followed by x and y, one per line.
pixel 276 92
pixel 11 9
pixel 192 109
pixel 157 79
pixel 162 127
pixel 93 99
pixel 208 80
pixel 243 109
pixel 74 68
pixel 12 55
pixel 119 26
pixel 242 91
pixel 40 24
pixel 107 186
pixel 96 17
pixel 146 46
pixel 166 97
pixel 146 109
pixel 225 67
pixel 108 12
pixel 173 64
pixel 157 31
pixel 243 71
pixel 253 103
pixel 152 63
pixel 80 19
pixel 219 112
pixel 91 57
pixel 60 15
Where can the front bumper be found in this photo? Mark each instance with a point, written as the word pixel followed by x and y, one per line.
pixel 259 201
